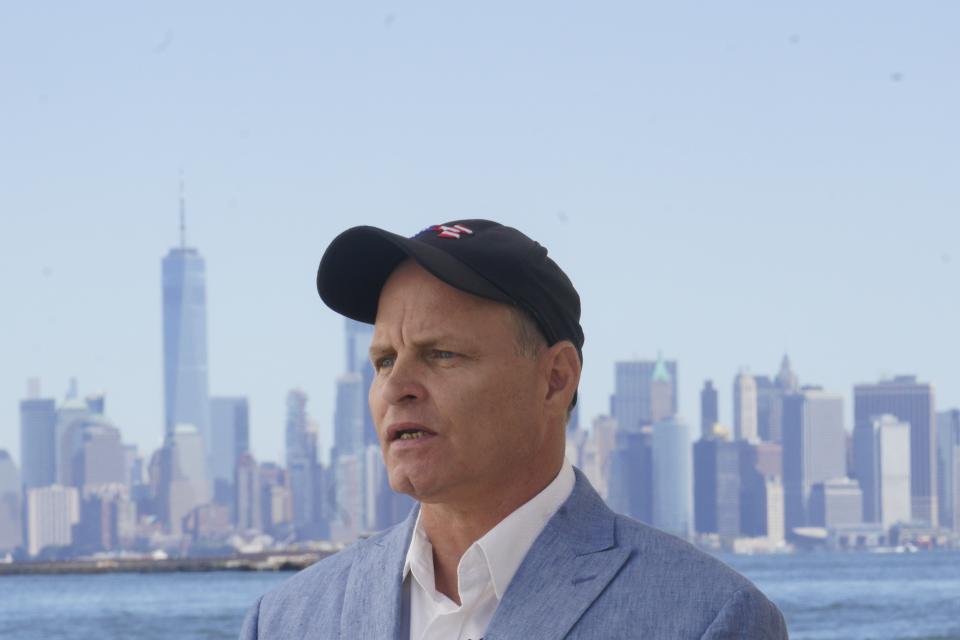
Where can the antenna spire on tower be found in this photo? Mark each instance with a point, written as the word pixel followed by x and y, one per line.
pixel 183 215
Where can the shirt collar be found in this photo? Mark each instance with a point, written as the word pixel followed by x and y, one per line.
pixel 506 545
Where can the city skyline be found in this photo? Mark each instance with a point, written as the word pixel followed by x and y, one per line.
pixel 738 487
pixel 687 406
pixel 807 207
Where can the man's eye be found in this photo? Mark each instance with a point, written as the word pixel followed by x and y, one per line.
pixel 386 361
pixel 443 355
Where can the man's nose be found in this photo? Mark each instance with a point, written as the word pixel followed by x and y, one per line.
pixel 403 382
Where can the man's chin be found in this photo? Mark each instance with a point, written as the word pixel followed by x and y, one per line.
pixel 418 486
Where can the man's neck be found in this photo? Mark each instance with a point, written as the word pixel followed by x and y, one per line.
pixel 453 527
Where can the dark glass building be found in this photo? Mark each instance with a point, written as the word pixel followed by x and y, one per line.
pixel 911 402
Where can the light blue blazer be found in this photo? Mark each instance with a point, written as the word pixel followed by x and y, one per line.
pixel 590 574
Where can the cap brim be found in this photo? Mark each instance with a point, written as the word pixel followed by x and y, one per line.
pixel 358 262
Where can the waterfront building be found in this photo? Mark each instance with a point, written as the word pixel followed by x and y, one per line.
pixel 107 519
pixel 596 454
pixel 230 424
pixel 38 423
pixel 51 514
pixel 186 392
pixel 775 510
pixel 709 409
pixel 753 492
pixel 275 500
pixel 716 479
pixel 671 476
pixel 836 502
pixel 301 454
pixel 745 407
pixel 881 455
pixel 948 468
pixel 351 402
pixel 183 483
pixel 813 448
pixel 630 475
pixel 633 385
pixel 358 338
pixel 349 521
pixel 101 459
pixel 769 459
pixel 893 457
pixel 207 522
pixel 247 509
pixel 73 415
pixel 10 521
pixel 911 402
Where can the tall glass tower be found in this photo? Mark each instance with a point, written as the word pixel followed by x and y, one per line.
pixel 186 395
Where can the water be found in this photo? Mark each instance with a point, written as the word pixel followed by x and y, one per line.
pixel 823 596
pixel 861 596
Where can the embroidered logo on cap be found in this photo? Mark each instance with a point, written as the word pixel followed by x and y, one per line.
pixel 456 231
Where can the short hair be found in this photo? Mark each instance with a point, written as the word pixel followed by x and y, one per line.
pixel 529 339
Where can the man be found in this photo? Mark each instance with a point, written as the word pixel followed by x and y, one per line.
pixel 477 355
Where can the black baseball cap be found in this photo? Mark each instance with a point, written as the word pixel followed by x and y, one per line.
pixel 481 257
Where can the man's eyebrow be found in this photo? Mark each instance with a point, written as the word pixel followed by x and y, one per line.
pixel 426 342
pixel 377 349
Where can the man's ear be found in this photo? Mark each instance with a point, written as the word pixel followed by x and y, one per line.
pixel 563 374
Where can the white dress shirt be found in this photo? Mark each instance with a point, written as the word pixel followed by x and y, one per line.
pixel 484 571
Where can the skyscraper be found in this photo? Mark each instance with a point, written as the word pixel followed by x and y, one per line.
pixel 835 502
pixel 348 416
pixel 813 448
pixel 671 477
pixel 38 448
pixel 911 402
pixel 893 456
pixel 786 379
pixel 184 484
pixel 785 383
pixel 51 513
pixel 230 423
pixel 73 415
pixel 662 406
pixel 186 395
pixel 598 452
pixel 948 466
pixel 745 407
pixel 247 513
pixel 716 479
pixel 767 395
pixel 633 386
pixel 101 458
pixel 881 457
pixel 709 410
pixel 10 529
pixel 359 335
pixel 301 439
pixel 630 476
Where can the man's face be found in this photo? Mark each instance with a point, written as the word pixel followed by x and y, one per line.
pixel 458 411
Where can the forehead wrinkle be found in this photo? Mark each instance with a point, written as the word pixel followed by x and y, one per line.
pixel 418 308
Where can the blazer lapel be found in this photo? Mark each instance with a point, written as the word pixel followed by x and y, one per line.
pixel 571 562
pixel 373 598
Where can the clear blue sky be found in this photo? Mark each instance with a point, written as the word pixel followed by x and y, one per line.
pixel 722 181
